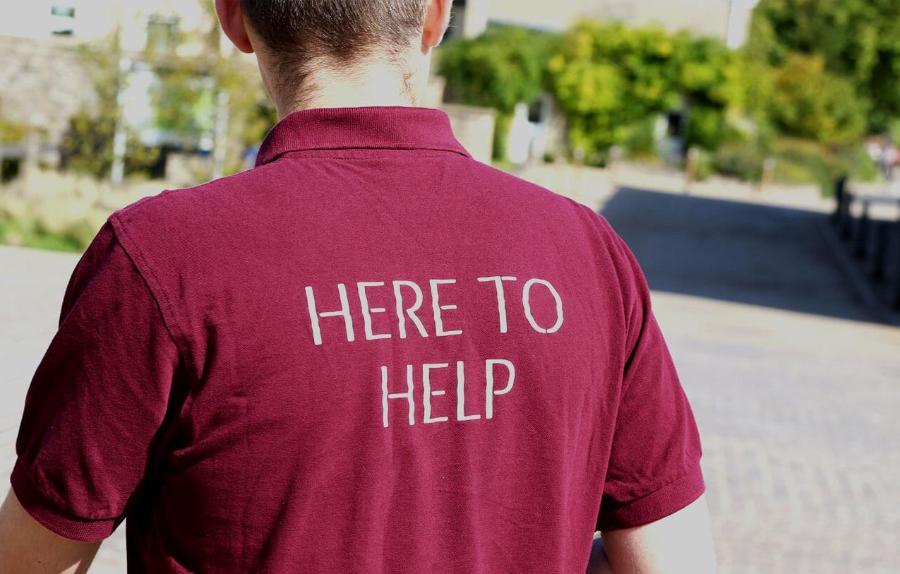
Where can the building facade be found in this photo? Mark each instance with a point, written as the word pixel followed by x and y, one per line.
pixel 724 19
pixel 75 21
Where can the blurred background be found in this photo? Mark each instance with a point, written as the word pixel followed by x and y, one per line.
pixel 745 149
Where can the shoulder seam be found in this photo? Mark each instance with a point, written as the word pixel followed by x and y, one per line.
pixel 615 247
pixel 154 287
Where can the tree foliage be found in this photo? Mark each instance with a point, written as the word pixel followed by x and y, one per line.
pixel 502 67
pixel 87 145
pixel 183 102
pixel 184 95
pixel 609 78
pixel 710 79
pixel 810 103
pixel 857 40
pixel 499 69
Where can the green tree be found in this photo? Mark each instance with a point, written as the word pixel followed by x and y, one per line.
pixel 609 78
pixel 857 39
pixel 187 88
pixel 710 81
pixel 810 103
pixel 183 101
pixel 87 145
pixel 502 67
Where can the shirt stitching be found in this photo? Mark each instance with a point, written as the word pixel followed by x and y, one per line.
pixel 162 301
pixel 41 487
pixel 693 470
pixel 425 152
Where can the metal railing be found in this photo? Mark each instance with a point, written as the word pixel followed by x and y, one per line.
pixel 872 239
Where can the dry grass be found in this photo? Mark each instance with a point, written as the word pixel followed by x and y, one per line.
pixel 62 211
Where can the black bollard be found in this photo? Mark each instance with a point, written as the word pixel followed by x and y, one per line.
pixel 840 199
pixel 877 249
pixel 894 287
pixel 861 232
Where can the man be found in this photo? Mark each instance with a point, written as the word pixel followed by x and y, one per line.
pixel 370 353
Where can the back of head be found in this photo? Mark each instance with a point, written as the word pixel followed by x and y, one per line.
pixel 302 36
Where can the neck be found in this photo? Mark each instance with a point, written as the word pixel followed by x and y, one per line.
pixel 377 83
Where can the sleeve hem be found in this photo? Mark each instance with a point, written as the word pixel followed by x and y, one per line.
pixel 662 502
pixel 51 517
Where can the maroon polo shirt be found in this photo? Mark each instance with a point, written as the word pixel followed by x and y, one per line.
pixel 371 353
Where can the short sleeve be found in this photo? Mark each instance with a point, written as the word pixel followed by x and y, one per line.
pixel 97 399
pixel 654 467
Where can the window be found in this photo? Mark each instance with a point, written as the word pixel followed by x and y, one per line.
pixel 63 11
pixel 62 19
pixel 162 34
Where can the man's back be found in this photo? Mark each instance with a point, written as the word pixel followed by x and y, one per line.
pixel 371 353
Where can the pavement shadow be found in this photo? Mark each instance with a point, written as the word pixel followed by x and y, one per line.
pixel 733 251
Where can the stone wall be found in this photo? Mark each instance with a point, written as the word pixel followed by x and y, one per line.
pixel 42 83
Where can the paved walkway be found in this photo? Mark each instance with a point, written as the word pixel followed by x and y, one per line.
pixel 796 390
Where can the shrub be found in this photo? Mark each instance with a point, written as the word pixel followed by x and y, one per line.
pixel 87 147
pixel 609 77
pixel 502 67
pixel 739 160
pixel 11 132
pixel 703 165
pixel 499 69
pixel 808 162
pixel 811 103
pixel 49 222
pixel 639 140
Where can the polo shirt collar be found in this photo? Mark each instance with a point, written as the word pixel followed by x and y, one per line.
pixel 367 127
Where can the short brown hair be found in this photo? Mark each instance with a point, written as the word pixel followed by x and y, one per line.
pixel 298 32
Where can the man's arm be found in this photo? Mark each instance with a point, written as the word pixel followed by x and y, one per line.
pixel 679 543
pixel 94 408
pixel 27 547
